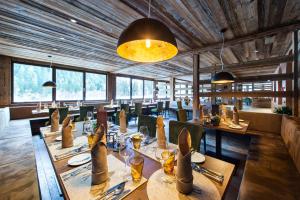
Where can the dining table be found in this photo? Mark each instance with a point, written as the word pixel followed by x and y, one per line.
pixel 150 167
pixel 225 126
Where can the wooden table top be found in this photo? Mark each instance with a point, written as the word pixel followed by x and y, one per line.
pixel 224 126
pixel 150 166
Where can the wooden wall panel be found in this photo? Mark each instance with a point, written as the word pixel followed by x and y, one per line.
pixel 5 81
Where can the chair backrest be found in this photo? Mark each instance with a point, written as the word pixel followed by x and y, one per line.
pixel 138 108
pixel 167 105
pixel 148 121
pixel 215 109
pixel 63 112
pixel 196 132
pixel 179 104
pixel 125 106
pixel 83 110
pixel 181 115
pixel 160 106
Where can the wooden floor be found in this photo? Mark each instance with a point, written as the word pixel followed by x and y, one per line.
pixel 233 146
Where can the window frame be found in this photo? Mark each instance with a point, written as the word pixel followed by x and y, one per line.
pixel 54 68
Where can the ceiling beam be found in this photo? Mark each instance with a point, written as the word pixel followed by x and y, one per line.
pixel 228 43
pixel 251 64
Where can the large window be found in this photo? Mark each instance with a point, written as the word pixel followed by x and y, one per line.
pixel 69 85
pixel 162 89
pixel 148 89
pixel 28 81
pixel 123 88
pixel 95 86
pixel 137 89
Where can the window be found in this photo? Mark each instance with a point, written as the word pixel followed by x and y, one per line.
pixel 28 81
pixel 148 89
pixel 137 89
pixel 95 86
pixel 69 85
pixel 123 88
pixel 162 87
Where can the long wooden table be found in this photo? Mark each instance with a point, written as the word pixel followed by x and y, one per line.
pixel 150 166
pixel 222 128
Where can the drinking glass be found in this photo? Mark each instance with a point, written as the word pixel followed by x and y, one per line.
pixel 167 160
pixel 145 132
pixel 125 154
pixel 136 165
pixel 89 115
pixel 136 141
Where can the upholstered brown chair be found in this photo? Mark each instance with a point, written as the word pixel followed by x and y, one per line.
pixel 181 115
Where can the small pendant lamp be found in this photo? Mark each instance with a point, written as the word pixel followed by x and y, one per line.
pixel 50 84
pixel 222 77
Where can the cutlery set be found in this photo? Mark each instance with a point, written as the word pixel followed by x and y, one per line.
pixel 216 176
pixel 71 152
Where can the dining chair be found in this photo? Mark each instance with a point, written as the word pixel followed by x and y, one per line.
pixel 215 109
pixel 197 133
pixel 137 110
pixel 83 110
pixel 181 115
pixel 117 118
pixel 150 122
pixel 159 108
pixel 125 106
pixel 167 108
pixel 63 112
pixel 179 104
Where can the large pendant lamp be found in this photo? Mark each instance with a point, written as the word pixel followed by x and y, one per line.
pixel 222 77
pixel 147 40
pixel 50 84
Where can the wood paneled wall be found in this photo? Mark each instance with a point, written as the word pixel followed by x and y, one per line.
pixel 5 81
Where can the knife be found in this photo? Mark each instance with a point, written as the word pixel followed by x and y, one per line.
pixel 215 177
pixel 110 190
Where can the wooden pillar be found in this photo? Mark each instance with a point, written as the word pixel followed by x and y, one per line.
pixel 5 81
pixel 289 82
pixel 296 71
pixel 172 89
pixel 196 66
pixel 213 89
pixel 111 86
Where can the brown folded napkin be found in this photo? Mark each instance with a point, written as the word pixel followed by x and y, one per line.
pixel 235 117
pixel 184 175
pixel 102 118
pixel 99 157
pixel 122 120
pixel 55 121
pixel 67 135
pixel 201 112
pixel 160 133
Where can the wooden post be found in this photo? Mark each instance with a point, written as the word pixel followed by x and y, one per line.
pixel 196 66
pixel 172 89
pixel 111 86
pixel 296 70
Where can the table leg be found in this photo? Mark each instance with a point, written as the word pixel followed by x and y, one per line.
pixel 218 144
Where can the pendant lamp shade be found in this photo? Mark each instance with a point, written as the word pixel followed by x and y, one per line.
pixel 49 84
pixel 147 40
pixel 222 78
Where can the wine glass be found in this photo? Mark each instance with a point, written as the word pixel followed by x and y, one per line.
pixel 145 132
pixel 89 115
pixel 167 159
pixel 125 154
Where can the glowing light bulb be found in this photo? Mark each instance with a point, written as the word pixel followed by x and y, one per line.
pixel 148 43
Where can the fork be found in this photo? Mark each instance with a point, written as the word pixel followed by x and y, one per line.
pixel 76 172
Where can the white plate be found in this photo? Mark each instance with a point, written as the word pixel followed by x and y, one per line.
pixel 59 138
pixel 79 159
pixel 235 126
pixel 198 157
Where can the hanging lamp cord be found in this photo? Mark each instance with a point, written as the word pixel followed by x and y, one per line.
pixel 222 49
pixel 149 7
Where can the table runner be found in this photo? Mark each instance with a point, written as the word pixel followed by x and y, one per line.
pixel 79 187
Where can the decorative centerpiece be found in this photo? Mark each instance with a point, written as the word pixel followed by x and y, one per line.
pixel 215 120
pixel 187 100
pixel 160 130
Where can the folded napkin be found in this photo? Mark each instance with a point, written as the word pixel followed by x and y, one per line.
pixel 67 135
pixel 99 157
pixel 160 132
pixel 122 120
pixel 184 175
pixel 102 118
pixel 55 121
pixel 201 112
pixel 235 117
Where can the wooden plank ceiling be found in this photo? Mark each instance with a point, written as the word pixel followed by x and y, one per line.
pixel 34 29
